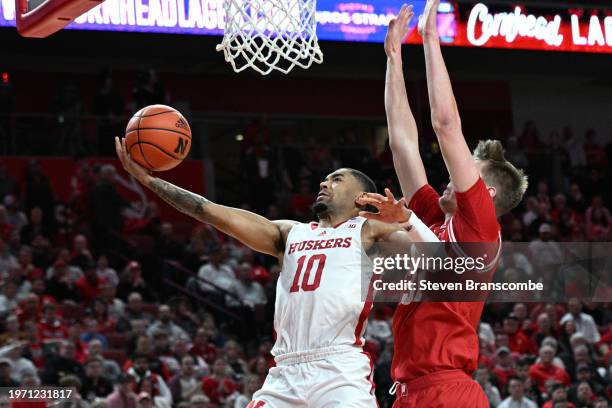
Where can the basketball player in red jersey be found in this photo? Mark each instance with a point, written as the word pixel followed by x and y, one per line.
pixel 436 343
pixel 320 313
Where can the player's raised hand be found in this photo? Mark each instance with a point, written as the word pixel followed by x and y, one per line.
pixel 389 209
pixel 397 31
pixel 136 170
pixel 428 21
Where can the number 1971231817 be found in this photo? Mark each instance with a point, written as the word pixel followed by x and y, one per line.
pixel 38 394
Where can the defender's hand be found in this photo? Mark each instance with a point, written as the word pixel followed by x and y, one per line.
pixel 428 21
pixel 389 209
pixel 136 170
pixel 397 31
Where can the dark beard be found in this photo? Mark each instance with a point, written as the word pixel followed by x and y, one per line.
pixel 320 209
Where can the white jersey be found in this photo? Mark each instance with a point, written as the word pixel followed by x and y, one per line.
pixel 319 298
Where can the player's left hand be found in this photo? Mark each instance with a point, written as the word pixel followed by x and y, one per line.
pixel 389 209
pixel 139 172
pixel 428 21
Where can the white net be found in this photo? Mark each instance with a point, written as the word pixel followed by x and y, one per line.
pixel 269 35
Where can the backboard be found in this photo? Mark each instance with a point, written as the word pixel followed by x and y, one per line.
pixel 41 18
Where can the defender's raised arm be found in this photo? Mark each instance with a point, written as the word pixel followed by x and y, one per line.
pixel 255 231
pixel 444 113
pixel 403 132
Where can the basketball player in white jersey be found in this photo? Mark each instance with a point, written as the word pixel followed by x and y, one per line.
pixel 321 312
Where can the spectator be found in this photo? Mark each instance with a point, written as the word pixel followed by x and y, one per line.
pixel 165 323
pixel 12 332
pixel 133 311
pixel 576 200
pixel 95 385
pixel 114 306
pixel 544 328
pixel 155 363
pixel 131 280
pixel 251 384
pixel 504 369
pixel 7 260
pixel 34 349
pixel 14 216
pixel 185 384
pixel 517 341
pixel 199 401
pixel 123 396
pixel 8 298
pixel 584 322
pixel 546 370
pixel 551 342
pixel 203 348
pixel 110 368
pixel 185 317
pixel 60 284
pixel 558 395
pixel 61 365
pixel 106 273
pixel 75 331
pixel 74 272
pixel 88 285
pixel 6 379
pixel 141 373
pixel 26 263
pixel 245 290
pixel 584 395
pixel 37 226
pixel 50 325
pixel 483 378
pixel 549 252
pixel 91 332
pixel 216 273
pixel 233 357
pixel 584 373
pixel 80 256
pixel 598 221
pixel 517 397
pixel 219 385
pixel 19 365
pixel 166 244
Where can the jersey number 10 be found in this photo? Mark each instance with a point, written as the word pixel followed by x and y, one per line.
pixel 306 286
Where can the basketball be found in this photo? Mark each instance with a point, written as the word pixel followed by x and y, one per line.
pixel 158 137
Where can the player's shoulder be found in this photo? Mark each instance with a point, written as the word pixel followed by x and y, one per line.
pixel 285 225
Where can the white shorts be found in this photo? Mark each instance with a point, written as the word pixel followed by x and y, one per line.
pixel 325 378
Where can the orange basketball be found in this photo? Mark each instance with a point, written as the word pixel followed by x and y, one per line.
pixel 158 137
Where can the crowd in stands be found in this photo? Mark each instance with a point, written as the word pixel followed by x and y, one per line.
pixel 89 308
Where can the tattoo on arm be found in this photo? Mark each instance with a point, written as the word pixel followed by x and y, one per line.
pixel 181 199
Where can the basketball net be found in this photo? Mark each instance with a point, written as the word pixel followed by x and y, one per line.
pixel 269 35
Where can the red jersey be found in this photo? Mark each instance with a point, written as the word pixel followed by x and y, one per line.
pixel 210 387
pixel 540 373
pixel 447 334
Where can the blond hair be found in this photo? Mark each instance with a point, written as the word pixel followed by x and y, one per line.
pixel 510 182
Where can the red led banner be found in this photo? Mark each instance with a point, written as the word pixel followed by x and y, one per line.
pixel 520 27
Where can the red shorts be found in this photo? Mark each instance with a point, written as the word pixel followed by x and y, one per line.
pixel 444 389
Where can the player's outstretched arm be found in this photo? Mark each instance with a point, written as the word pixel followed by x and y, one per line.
pixel 444 113
pixel 394 222
pixel 403 132
pixel 253 230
